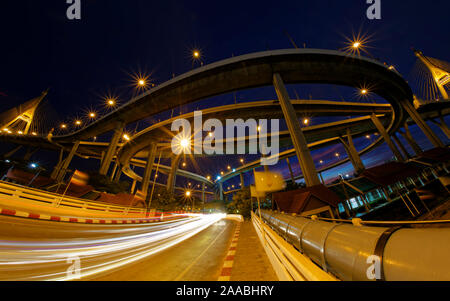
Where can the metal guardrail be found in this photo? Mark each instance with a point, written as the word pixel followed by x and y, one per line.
pixel 24 198
pixel 288 263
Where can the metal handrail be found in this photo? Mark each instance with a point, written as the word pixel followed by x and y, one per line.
pixel 31 194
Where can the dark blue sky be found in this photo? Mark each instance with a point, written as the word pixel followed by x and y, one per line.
pixel 81 60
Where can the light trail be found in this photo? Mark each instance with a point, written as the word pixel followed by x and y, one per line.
pixel 32 259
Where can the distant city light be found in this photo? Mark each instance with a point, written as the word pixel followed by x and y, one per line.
pixel 219 178
pixel 34 133
pixel 306 121
pixel 33 165
pixel 20 132
pixel 63 126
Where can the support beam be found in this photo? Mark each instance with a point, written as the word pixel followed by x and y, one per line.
pixel 112 148
pixel 290 170
pixel 409 138
pixel 173 173
pixel 58 166
pixel 133 186
pixel 442 125
pixel 116 165
pixel 148 168
pixel 401 146
pixel 203 194
pixel 11 153
pixel 118 174
pixel 298 138
pixel 387 138
pixel 415 116
pixel 221 191
pixel 242 180
pixel 352 153
pixel 65 165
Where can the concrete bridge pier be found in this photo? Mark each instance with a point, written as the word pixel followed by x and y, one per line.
pixel 352 153
pixel 148 169
pixel 173 173
pixel 11 153
pixel 61 173
pixel 415 116
pixel 387 138
pixel 409 138
pixel 290 170
pixel 221 191
pixel 112 148
pixel 241 175
pixel 298 138
pixel 401 146
pixel 442 125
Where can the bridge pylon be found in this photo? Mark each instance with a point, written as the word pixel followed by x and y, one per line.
pixel 21 117
pixel 440 76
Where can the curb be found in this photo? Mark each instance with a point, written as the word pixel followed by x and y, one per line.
pixel 34 216
pixel 225 274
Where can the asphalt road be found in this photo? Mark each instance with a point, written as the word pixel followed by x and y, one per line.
pixel 200 258
pixel 188 249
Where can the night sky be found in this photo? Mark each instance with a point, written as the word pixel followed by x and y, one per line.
pixel 82 60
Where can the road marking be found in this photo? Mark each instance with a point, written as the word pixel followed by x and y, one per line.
pixel 225 274
pixel 198 258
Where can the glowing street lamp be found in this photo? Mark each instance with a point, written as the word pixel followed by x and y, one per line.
pixel 196 54
pixel 78 122
pixel 126 137
pixel 306 121
pixel 356 44
pixel 188 193
pixel 92 114
pixel 111 102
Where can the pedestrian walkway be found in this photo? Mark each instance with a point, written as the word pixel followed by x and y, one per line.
pixel 250 260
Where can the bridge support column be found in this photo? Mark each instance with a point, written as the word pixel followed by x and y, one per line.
pixel 352 153
pixel 290 170
pixel 11 153
pixel 409 138
pixel 56 169
pixel 106 162
pixel 203 194
pixel 241 175
pixel 118 173
pixel 62 172
pixel 133 186
pixel 415 116
pixel 113 174
pixel 30 153
pixel 443 126
pixel 221 191
pixel 401 146
pixel 171 181
pixel 298 138
pixel 387 138
pixel 148 169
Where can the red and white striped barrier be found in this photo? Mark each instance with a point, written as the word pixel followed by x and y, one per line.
pixel 162 217
pixel 225 274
